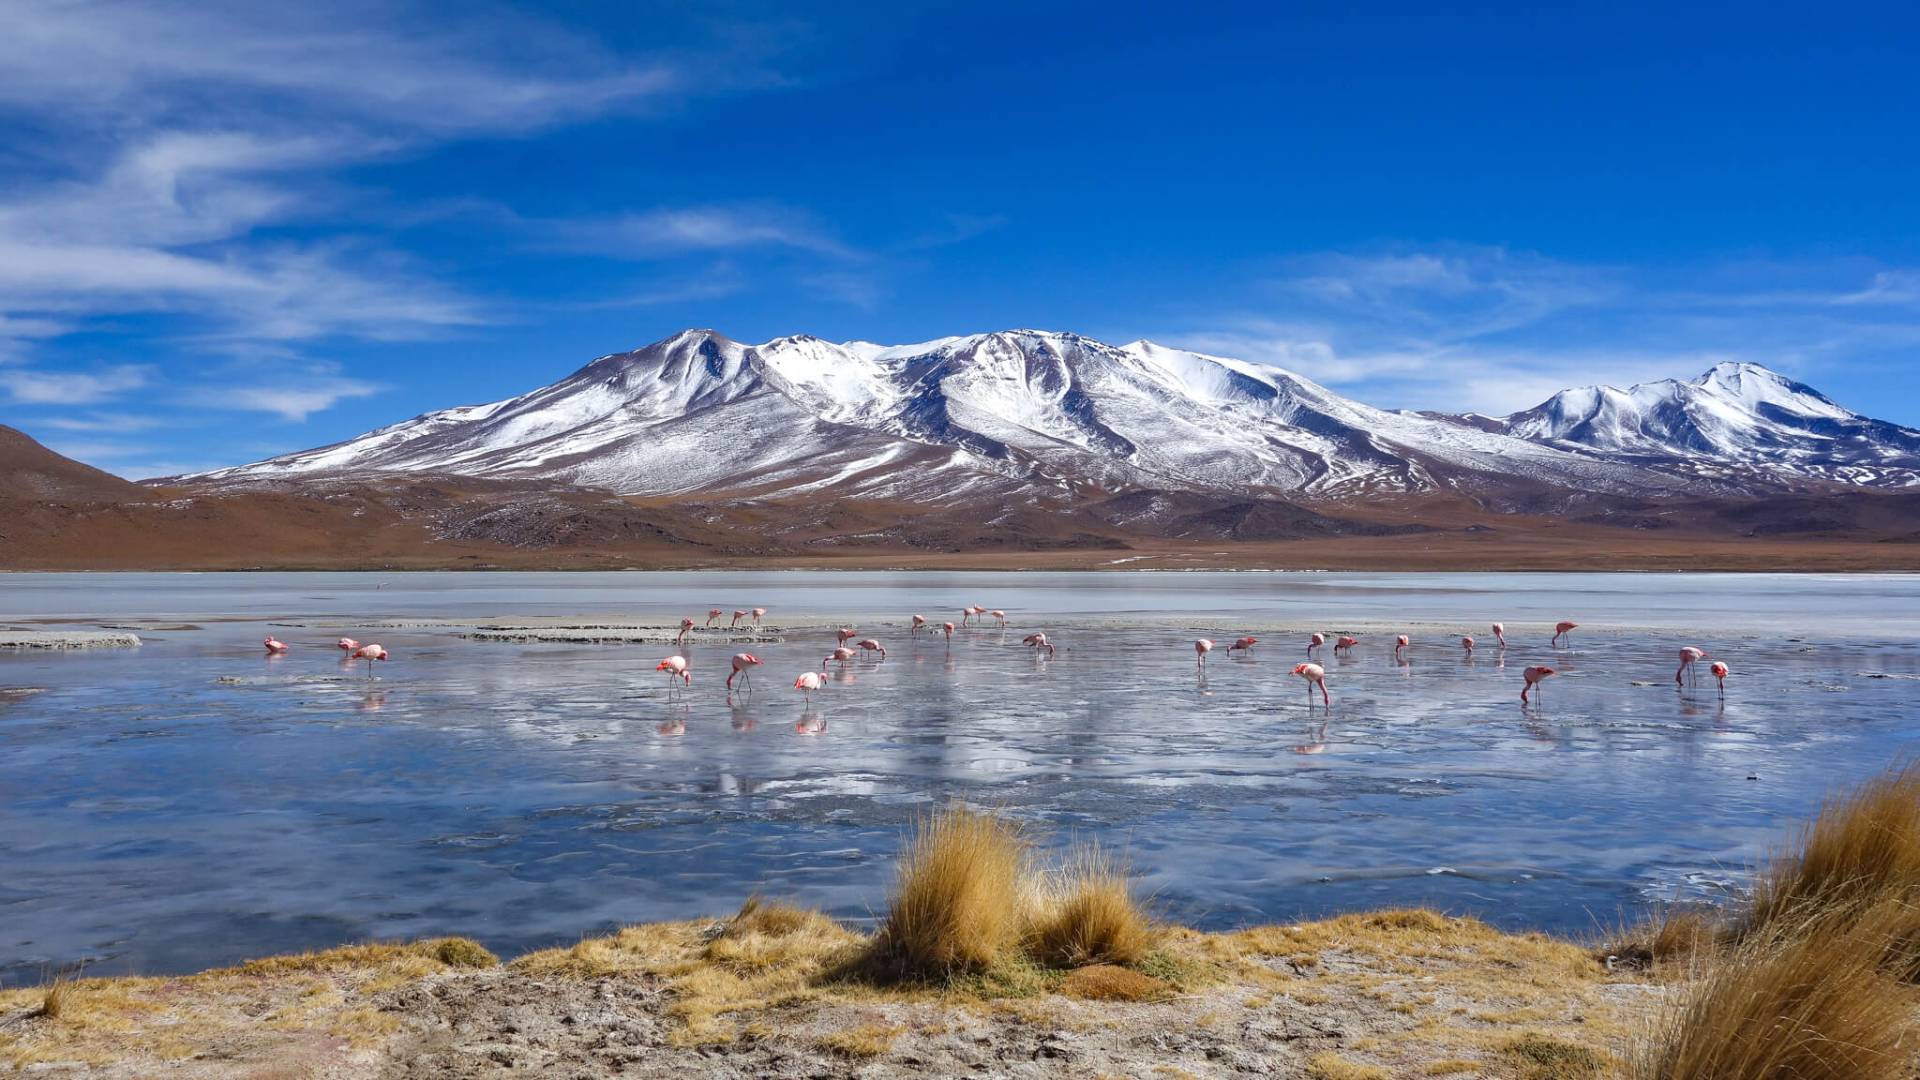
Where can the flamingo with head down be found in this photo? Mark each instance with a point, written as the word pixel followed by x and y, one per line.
pixel 1466 642
pixel 1201 648
pixel 916 623
pixel 737 616
pixel 947 629
pixel 1315 642
pixel 275 646
pixel 1001 616
pixel 758 614
pixel 1562 629
pixel 1038 642
pixel 1400 645
pixel 743 665
pixel 347 644
pixel 1315 675
pixel 1532 677
pixel 808 682
pixel 686 627
pixel 712 614
pixel 1245 644
pixel 1344 644
pixel 1720 672
pixel 845 634
pixel 676 668
pixel 870 645
pixel 1500 634
pixel 1688 656
pixel 840 655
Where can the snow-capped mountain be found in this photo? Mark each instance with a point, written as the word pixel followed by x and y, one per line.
pixel 1035 414
pixel 1736 416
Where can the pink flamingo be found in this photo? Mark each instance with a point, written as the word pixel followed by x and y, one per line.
pixel 1467 644
pixel 845 634
pixel 1315 642
pixel 1037 642
pixel 870 645
pixel 918 621
pixel 676 668
pixel 1245 644
pixel 967 613
pixel 808 682
pixel 758 614
pixel 1344 644
pixel 1500 634
pixel 1201 648
pixel 686 627
pixel 1001 616
pixel 712 614
pixel 1400 645
pixel 1315 675
pixel 1720 672
pixel 841 654
pixel 1533 675
pixel 275 645
pixel 737 616
pixel 347 644
pixel 369 652
pixel 947 628
pixel 743 663
pixel 1562 629
pixel 1688 654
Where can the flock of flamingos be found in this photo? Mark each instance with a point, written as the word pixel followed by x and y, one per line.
pixel 676 668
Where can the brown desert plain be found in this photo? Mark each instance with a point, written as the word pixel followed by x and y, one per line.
pixel 59 514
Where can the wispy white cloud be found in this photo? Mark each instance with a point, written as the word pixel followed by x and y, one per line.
pixel 666 231
pixel 1494 331
pixel 115 423
pixel 30 386
pixel 290 395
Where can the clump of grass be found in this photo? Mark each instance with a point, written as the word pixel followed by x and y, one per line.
pixel 54 1001
pixel 960 901
pixel 1538 1056
pixel 1670 935
pixel 1862 848
pixel 447 952
pixel 861 1043
pixel 1808 1007
pixel 1093 919
pixel 463 953
pixel 1108 982
pixel 1331 1066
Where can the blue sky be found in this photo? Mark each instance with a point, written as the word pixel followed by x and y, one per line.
pixel 230 231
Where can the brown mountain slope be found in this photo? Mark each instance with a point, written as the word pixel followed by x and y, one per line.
pixel 31 471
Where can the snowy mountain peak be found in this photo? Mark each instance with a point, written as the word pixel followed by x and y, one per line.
pixel 1030 412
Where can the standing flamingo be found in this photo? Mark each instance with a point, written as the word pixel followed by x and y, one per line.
pixel 845 634
pixel 712 614
pixel 275 646
pixel 870 645
pixel 1688 655
pixel 676 668
pixel 1532 676
pixel 347 644
pixel 1720 672
pixel 369 652
pixel 743 663
pixel 1315 675
pixel 808 682
pixel 1466 642
pixel 1500 634
pixel 1562 629
pixel 686 627
pixel 1315 642
pixel 737 616
pixel 1200 650
pixel 1001 616
pixel 758 614
pixel 840 655
pixel 1400 645
pixel 1245 644
pixel 917 622
pixel 947 628
pixel 1344 644
pixel 1037 642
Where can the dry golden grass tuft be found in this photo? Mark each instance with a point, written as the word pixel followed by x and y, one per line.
pixel 54 1001
pixel 861 1043
pixel 420 957
pixel 1092 918
pixel 1538 1056
pixel 1812 1008
pixel 1862 848
pixel 1669 936
pixel 960 901
pixel 1107 982
pixel 1331 1066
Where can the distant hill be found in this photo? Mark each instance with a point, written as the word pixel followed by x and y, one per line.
pixel 29 470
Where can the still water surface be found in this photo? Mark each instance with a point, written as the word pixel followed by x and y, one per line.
pixel 192 802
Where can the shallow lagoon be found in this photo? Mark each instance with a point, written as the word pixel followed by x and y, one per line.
pixel 192 802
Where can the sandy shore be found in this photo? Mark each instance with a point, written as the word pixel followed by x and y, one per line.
pixel 1359 997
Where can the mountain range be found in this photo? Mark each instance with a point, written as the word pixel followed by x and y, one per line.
pixel 1056 418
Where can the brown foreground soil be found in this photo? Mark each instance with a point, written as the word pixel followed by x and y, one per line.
pixel 1359 997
